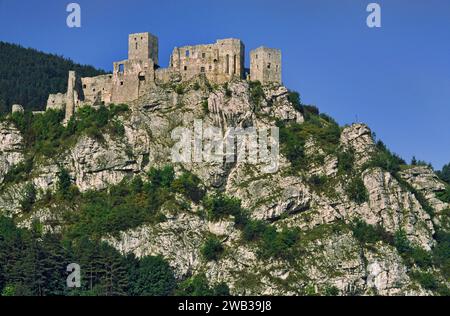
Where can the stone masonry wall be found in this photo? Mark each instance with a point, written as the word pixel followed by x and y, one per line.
pixel 265 65
pixel 219 62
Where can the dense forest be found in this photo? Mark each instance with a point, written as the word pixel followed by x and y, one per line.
pixel 28 76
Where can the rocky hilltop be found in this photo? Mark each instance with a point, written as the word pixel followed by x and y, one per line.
pixel 341 214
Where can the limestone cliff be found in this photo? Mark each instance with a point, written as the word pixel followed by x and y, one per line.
pixel 331 256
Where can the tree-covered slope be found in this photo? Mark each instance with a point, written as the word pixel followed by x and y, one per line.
pixel 28 76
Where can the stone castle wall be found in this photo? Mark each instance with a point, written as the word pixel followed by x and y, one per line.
pixel 220 62
pixel 265 65
pixel 131 78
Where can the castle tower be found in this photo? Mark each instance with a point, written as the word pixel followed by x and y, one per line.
pixel 265 65
pixel 71 95
pixel 143 46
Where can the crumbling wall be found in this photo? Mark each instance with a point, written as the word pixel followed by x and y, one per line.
pixel 56 101
pixel 265 65
pixel 98 89
pixel 131 78
pixel 220 62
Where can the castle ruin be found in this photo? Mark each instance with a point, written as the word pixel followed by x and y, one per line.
pixel 131 78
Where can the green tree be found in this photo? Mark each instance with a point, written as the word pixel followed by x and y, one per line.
pixel 444 174
pixel 356 190
pixel 29 197
pixel 153 277
pixel 189 185
pixel 212 249
pixel 64 183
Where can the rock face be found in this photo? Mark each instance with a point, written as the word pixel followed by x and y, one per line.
pixel 395 209
pixel 359 138
pixel 424 180
pixel 11 148
pixel 331 257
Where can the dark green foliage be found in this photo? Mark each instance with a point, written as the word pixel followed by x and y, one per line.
pixel 219 206
pixel 256 94
pixel 29 197
pixel 317 181
pixel 95 122
pixel 427 280
pixel 385 159
pixel 189 185
pixel 293 136
pixel 356 190
pixel 369 234
pixel 212 249
pixel 310 111
pixel 346 161
pixel 35 264
pixel 65 188
pixel 294 98
pixel 20 172
pixel 126 205
pixel 331 291
pixel 441 253
pixel 228 92
pixel 411 254
pixel 444 174
pixel 45 135
pixel 198 286
pixel 29 76
pixel 161 177
pixel 278 245
pixel 153 277
pixel 179 89
pixel 205 107
pixel 254 230
pixel 32 264
pixel 292 146
pixel 444 196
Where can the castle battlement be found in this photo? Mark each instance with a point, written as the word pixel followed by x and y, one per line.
pixel 220 62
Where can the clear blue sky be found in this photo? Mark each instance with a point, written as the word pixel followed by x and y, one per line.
pixel 396 79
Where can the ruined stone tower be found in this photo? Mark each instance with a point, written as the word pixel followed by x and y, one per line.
pixel 143 46
pixel 71 96
pixel 265 65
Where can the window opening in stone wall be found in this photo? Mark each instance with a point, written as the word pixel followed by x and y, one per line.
pixel 227 69
pixel 121 68
pixel 187 53
pixel 202 69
